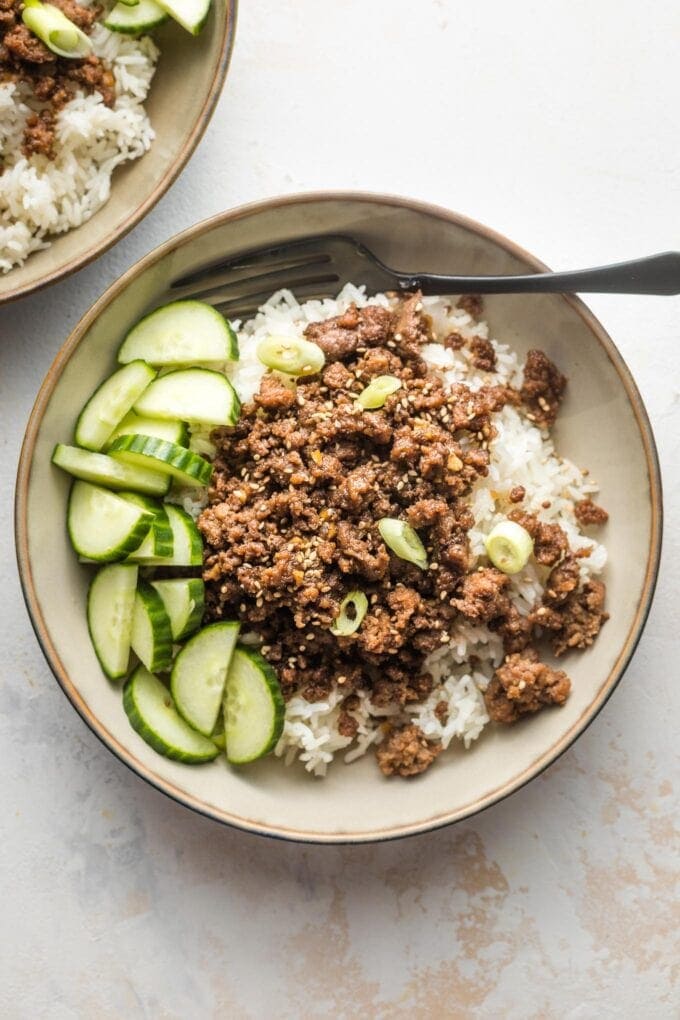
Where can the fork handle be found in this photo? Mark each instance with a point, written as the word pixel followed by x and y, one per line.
pixel 655 274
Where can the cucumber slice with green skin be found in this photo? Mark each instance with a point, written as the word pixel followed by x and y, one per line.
pixel 130 3
pixel 110 403
pixel 199 674
pixel 132 425
pixel 181 333
pixel 190 14
pixel 151 638
pixel 187 544
pixel 100 469
pixel 110 602
pixel 102 526
pixel 145 451
pixel 217 736
pixel 159 541
pixel 253 707
pixel 196 395
pixel 184 601
pixel 131 20
pixel 150 709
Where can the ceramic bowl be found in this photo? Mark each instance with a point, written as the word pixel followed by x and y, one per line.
pixel 603 424
pixel 185 89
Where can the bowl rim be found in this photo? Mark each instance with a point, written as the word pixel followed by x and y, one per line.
pixel 166 786
pixel 167 179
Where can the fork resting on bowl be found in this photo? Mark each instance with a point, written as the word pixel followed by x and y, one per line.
pixel 316 267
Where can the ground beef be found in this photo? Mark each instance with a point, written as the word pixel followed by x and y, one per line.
pixel 298 486
pixel 347 724
pixel 52 79
pixel 25 47
pixel 542 389
pixel 441 710
pixel 274 394
pixel 588 512
pixel 481 596
pixel 550 541
pixel 83 17
pixel 473 304
pixel 576 622
pixel 39 134
pixel 454 341
pixel 355 329
pixel 562 581
pixel 483 354
pixel 406 752
pixel 523 685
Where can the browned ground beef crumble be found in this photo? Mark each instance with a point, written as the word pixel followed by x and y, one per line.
pixel 299 485
pixel 53 80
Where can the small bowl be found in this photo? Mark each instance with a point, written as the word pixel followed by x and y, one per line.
pixel 189 78
pixel 603 425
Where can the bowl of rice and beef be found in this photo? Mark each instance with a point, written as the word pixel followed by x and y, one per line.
pixel 442 536
pixel 88 144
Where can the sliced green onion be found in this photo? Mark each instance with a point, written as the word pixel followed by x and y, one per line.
pixel 344 623
pixel 291 355
pixel 377 391
pixel 56 30
pixel 403 541
pixel 509 547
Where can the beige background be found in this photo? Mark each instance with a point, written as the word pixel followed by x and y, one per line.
pixel 556 124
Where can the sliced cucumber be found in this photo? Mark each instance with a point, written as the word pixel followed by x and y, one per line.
pixel 110 602
pixel 152 714
pixel 151 638
pixel 217 736
pixel 172 431
pixel 178 462
pixel 253 707
pixel 190 14
pixel 159 541
pixel 191 394
pixel 199 674
pixel 130 3
pixel 110 403
pixel 187 544
pixel 143 16
pixel 101 469
pixel 102 526
pixel 184 601
pixel 181 333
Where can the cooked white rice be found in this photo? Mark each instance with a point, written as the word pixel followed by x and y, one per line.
pixel 520 455
pixel 41 197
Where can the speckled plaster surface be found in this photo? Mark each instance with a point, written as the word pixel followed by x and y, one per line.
pixel 557 124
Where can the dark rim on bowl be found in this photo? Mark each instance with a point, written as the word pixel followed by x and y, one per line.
pixel 165 181
pixel 395 832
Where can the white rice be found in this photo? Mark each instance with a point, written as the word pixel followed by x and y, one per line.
pixel 41 197
pixel 520 455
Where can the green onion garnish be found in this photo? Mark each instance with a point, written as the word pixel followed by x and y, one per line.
pixel 291 355
pixel 56 30
pixel 377 391
pixel 509 547
pixel 353 608
pixel 403 541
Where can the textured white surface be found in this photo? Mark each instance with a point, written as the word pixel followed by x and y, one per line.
pixel 555 123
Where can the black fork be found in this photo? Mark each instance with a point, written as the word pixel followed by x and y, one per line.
pixel 319 266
